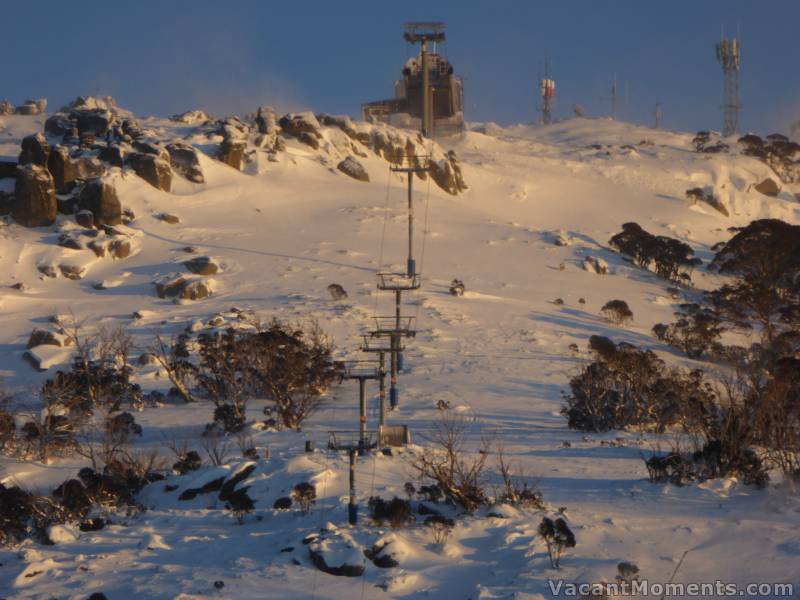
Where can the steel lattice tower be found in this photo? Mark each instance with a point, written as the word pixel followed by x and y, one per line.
pixel 728 57
pixel 547 90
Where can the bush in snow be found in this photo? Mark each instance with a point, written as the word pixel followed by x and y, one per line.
pixel 431 493
pixel 617 312
pixel 627 572
pixel 8 430
pixel 763 260
pixel 23 515
pixel 517 489
pixel 626 386
pixel 696 331
pixel 337 292
pixel 396 512
pixel 558 538
pixel 671 259
pixel 291 366
pixel 713 460
pixel 305 494
pixel 120 428
pixel 240 504
pixel 409 489
pixel 191 461
pixel 457 287
pixel 441 528
pixel 458 474
pixel 284 503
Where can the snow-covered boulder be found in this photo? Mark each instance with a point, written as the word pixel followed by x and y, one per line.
pixel 202 265
pixel 191 117
pixel 351 167
pixel 389 551
pixel 43 337
pixel 335 552
pixel 32 107
pixel 185 161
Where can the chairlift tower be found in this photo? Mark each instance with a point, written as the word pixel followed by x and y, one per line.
pixel 371 347
pixel 728 56
pixel 547 91
pixel 362 371
pixel 419 32
pixel 658 114
pixel 411 265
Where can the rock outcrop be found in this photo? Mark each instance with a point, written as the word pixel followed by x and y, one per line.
pixel 153 169
pixel 231 152
pixel 35 202
pixel 202 265
pixel 350 166
pixel 303 126
pixel 35 150
pixel 100 198
pixel 185 161
pixel 60 166
pixel 768 187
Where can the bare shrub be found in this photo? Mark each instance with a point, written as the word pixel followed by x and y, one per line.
pixel 305 494
pixel 517 489
pixel 617 312
pixel 174 359
pixel 216 448
pixel 558 537
pixel 458 474
pixel 100 374
pixel 441 527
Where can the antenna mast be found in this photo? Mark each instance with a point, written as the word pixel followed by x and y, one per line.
pixel 614 98
pixel 728 51
pixel 547 90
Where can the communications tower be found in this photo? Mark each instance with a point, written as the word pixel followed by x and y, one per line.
pixel 547 91
pixel 728 51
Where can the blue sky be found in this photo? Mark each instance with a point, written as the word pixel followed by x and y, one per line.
pixel 230 56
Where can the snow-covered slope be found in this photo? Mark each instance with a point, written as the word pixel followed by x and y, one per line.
pixel 500 354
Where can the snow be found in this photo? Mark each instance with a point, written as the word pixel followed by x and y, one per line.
pixel 499 355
